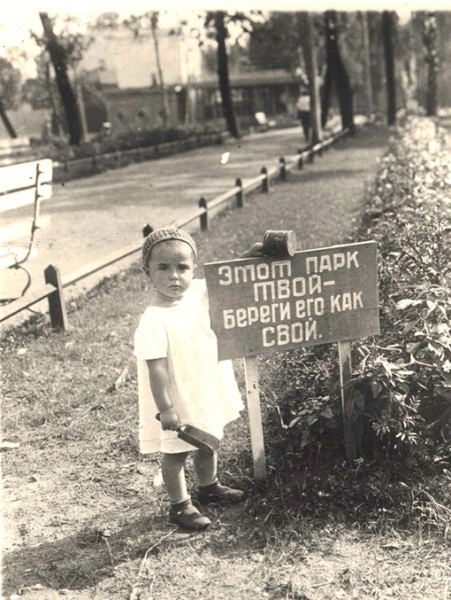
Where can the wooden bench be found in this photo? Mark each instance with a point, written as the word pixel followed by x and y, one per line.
pixel 23 184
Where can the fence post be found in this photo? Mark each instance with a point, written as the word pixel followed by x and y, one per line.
pixel 57 306
pixel 147 230
pixel 265 182
pixel 239 194
pixel 203 216
pixel 300 160
pixel 282 169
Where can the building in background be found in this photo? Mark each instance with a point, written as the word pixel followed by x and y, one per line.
pixel 126 69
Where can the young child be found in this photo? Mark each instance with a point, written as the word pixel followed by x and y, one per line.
pixel 179 375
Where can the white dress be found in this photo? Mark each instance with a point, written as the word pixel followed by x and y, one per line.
pixel 203 390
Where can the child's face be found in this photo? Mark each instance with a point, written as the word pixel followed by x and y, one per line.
pixel 171 268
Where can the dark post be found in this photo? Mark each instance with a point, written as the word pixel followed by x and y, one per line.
pixel 203 216
pixel 282 169
pixel 389 56
pixel 239 194
pixel 265 182
pixel 300 160
pixel 57 306
pixel 147 230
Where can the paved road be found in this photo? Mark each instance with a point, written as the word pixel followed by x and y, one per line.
pixel 93 217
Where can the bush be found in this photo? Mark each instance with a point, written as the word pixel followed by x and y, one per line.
pixel 402 379
pixel 60 150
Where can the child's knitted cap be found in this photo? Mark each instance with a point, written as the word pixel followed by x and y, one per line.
pixel 163 235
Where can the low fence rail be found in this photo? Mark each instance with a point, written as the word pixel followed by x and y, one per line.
pixel 53 289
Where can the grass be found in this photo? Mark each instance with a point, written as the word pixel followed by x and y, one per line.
pixel 83 510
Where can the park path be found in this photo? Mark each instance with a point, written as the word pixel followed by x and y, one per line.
pixel 92 217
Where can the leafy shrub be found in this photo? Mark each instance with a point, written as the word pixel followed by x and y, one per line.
pixel 402 379
pixel 59 149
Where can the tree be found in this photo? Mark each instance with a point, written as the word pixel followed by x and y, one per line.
pixel 217 26
pixel 309 51
pixel 35 92
pixel 388 28
pixel 218 18
pixel 9 93
pixel 65 50
pixel 336 76
pixel 9 84
pixel 432 61
pixel 367 64
pixel 275 43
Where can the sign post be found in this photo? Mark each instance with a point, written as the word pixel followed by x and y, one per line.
pixel 255 417
pixel 275 304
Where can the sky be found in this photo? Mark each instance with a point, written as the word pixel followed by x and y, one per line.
pixel 17 17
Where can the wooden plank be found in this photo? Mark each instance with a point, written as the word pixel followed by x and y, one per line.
pixel 253 183
pixel 17 199
pixel 18 306
pixel 20 198
pixel 93 267
pixel 11 256
pixel 255 417
pixel 231 193
pixel 21 229
pixel 24 174
pixel 23 197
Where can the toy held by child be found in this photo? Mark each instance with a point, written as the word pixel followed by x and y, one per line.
pixel 179 375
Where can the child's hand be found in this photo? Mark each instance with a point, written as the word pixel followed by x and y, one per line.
pixel 254 251
pixel 170 419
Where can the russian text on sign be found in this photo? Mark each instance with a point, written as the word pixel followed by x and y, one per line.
pixel 317 296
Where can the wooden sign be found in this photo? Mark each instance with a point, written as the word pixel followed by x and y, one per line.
pixel 274 304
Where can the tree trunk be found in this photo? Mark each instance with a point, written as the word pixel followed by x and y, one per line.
pixel 337 71
pixel 164 100
pixel 59 127
pixel 387 36
pixel 430 41
pixel 68 99
pixel 308 49
pixel 367 63
pixel 6 122
pixel 327 93
pixel 223 75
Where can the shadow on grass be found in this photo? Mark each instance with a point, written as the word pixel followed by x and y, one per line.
pixel 82 560
pixel 85 559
